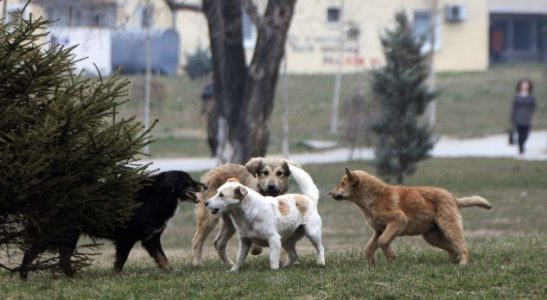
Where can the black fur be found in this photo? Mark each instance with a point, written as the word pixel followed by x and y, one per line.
pixel 158 200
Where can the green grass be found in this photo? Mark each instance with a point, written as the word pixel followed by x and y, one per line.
pixel 471 104
pixel 503 269
pixel 507 247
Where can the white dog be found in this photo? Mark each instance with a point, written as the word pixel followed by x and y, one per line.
pixel 272 221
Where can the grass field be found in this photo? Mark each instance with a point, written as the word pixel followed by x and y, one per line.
pixel 471 104
pixel 507 247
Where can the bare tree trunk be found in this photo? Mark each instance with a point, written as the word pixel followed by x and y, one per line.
pixel 229 69
pixel 244 95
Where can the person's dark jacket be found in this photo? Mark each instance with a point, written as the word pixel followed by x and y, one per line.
pixel 523 108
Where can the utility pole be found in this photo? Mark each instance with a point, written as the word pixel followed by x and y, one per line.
pixel 432 109
pixel 285 145
pixel 338 78
pixel 148 75
pixel 5 11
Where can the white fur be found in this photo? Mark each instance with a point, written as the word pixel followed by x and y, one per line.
pixel 305 182
pixel 258 219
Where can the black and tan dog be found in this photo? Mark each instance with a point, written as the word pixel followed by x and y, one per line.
pixel 158 200
pixel 268 176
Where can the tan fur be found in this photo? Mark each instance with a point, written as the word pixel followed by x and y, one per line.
pixel 251 175
pixel 232 179
pixel 399 210
pixel 283 206
pixel 301 203
pixel 473 201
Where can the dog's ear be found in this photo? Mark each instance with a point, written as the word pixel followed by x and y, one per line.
pixel 286 169
pixel 240 192
pixel 351 177
pixel 254 165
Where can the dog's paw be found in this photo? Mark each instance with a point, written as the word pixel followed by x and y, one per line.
pixel 234 269
pixel 197 263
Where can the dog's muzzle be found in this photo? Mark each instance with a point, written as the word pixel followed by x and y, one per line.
pixel 270 190
pixel 214 211
pixel 191 196
pixel 336 196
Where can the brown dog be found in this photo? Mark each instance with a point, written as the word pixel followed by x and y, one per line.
pixel 268 176
pixel 398 210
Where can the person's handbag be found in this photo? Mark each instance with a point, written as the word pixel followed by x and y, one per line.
pixel 512 136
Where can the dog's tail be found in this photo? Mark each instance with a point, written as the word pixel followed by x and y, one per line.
pixel 305 182
pixel 473 201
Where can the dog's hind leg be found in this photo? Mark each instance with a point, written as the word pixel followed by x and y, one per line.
pixel 205 224
pixel 227 230
pixel 30 255
pixel 289 246
pixel 449 222
pixel 153 247
pixel 122 252
pixel 313 233
pixel 436 238
pixel 66 251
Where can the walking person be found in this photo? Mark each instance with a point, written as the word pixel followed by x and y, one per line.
pixel 524 105
pixel 208 109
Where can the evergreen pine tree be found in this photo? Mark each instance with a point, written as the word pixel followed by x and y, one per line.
pixel 66 161
pixel 403 137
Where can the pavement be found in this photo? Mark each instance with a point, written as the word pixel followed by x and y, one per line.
pixel 489 146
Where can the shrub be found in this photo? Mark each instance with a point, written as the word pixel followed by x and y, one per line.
pixel 198 64
pixel 66 161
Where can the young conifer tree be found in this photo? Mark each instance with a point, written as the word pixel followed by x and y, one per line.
pixel 66 160
pixel 403 136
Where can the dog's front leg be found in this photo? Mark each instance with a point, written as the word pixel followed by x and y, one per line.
pixel 275 251
pixel 221 241
pixel 371 247
pixel 244 247
pixel 390 233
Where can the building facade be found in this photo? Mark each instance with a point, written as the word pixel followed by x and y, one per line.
pixel 324 33
pixel 331 35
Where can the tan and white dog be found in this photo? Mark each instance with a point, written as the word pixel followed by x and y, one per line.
pixel 272 221
pixel 267 175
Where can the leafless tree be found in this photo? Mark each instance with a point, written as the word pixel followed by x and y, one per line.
pixel 244 92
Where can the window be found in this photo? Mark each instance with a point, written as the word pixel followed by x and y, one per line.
pixel 522 35
pixel 147 16
pixel 249 31
pixel 333 14
pixel 422 26
pixel 499 32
